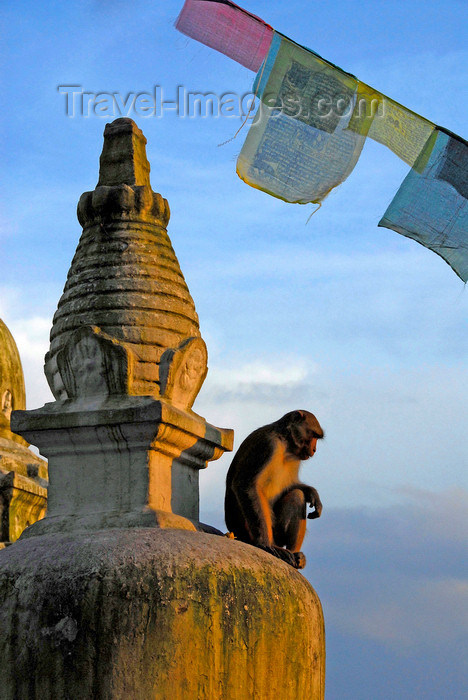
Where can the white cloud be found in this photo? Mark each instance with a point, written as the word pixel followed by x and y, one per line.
pixel 31 335
pixel 275 374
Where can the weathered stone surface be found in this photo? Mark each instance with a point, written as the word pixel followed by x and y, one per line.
pixel 23 501
pixel 183 371
pixel 93 363
pixel 155 614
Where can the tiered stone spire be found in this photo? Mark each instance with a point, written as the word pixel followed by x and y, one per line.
pixel 126 280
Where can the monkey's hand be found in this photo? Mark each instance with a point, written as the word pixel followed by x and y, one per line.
pixel 313 499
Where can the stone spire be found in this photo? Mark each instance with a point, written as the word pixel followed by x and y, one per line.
pixel 125 279
pixel 125 364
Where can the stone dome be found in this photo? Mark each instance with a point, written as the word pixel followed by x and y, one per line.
pixel 161 614
pixel 12 391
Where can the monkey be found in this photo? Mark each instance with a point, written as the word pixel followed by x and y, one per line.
pixel 265 504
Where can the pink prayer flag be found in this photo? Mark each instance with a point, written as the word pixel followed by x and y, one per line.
pixel 228 28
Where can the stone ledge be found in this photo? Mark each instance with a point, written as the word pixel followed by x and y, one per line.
pixel 115 410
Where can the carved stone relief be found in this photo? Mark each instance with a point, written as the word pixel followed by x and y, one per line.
pixel 94 364
pixel 183 371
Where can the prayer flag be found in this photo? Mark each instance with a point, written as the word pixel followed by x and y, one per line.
pixel 404 132
pixel 228 28
pixel 431 205
pixel 299 146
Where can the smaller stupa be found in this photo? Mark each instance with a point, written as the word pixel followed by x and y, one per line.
pixel 23 475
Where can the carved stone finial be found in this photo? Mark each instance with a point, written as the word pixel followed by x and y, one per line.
pixel 123 159
pixel 123 191
pixel 107 595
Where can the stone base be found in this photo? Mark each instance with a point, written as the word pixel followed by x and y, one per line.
pixel 15 457
pixel 117 461
pixel 155 614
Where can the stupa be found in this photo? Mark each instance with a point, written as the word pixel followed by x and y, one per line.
pixel 23 475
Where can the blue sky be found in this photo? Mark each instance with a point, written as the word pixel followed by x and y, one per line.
pixel 358 324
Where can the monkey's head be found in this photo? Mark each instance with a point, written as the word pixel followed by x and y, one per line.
pixel 301 430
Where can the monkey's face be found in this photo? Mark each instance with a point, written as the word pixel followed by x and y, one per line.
pixel 312 446
pixel 304 431
pixel 306 444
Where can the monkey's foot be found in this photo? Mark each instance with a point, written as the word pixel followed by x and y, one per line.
pixel 300 559
pixel 295 559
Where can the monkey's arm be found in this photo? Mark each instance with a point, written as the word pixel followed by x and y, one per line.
pixel 311 496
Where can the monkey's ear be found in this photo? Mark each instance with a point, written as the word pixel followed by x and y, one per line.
pixel 297 417
pixel 295 430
